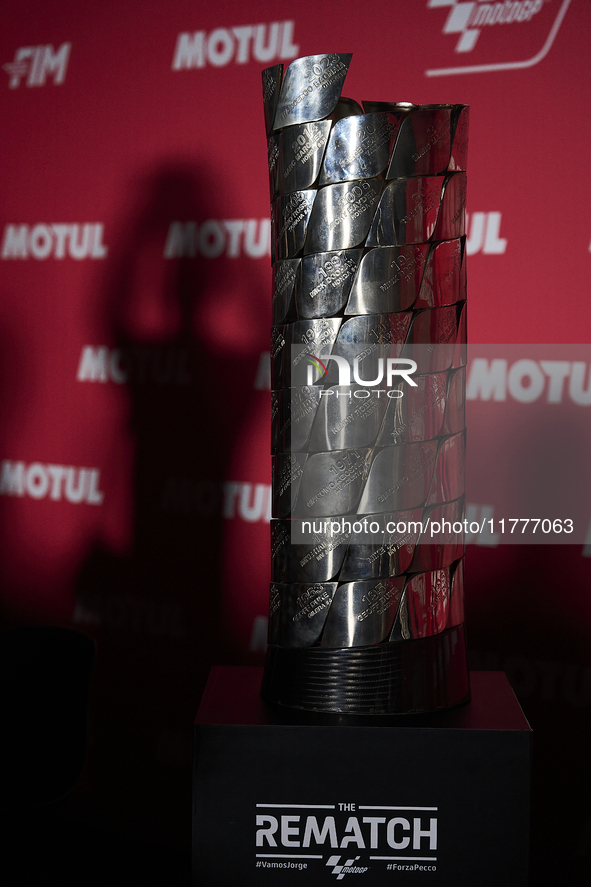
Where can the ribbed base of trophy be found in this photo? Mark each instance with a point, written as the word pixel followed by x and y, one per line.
pixel 410 676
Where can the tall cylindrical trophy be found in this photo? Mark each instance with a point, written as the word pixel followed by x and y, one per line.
pixel 368 376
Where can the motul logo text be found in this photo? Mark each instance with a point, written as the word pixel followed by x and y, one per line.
pixel 157 366
pixel 484 234
pixel 528 380
pixel 212 238
pixel 56 482
pixel 240 44
pixel 249 502
pixel 57 241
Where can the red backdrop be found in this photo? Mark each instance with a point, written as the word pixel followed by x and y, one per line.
pixel 134 322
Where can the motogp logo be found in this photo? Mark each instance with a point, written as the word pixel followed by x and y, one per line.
pixel 347 868
pixel 476 28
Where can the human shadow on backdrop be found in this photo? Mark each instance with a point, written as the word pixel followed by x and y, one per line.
pixel 157 611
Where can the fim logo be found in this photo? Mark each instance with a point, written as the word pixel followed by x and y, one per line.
pixel 239 45
pixel 36 63
pixel 348 867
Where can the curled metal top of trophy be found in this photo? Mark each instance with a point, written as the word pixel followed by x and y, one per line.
pixel 341 179
pixel 319 137
pixel 368 385
pixel 311 89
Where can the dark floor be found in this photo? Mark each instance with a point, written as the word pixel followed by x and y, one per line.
pixel 62 845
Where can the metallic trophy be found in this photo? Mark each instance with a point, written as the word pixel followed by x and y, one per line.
pixel 368 376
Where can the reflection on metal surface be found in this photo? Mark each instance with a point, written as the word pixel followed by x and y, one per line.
pixel 359 148
pixel 284 276
pixel 311 89
pixel 343 215
pixel 389 280
pixel 362 613
pixel 290 217
pixel 297 612
pixel 418 209
pixel 324 282
pixel 424 144
pixel 368 377
pixel 300 150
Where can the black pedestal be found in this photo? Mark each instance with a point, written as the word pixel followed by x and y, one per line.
pixel 283 797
